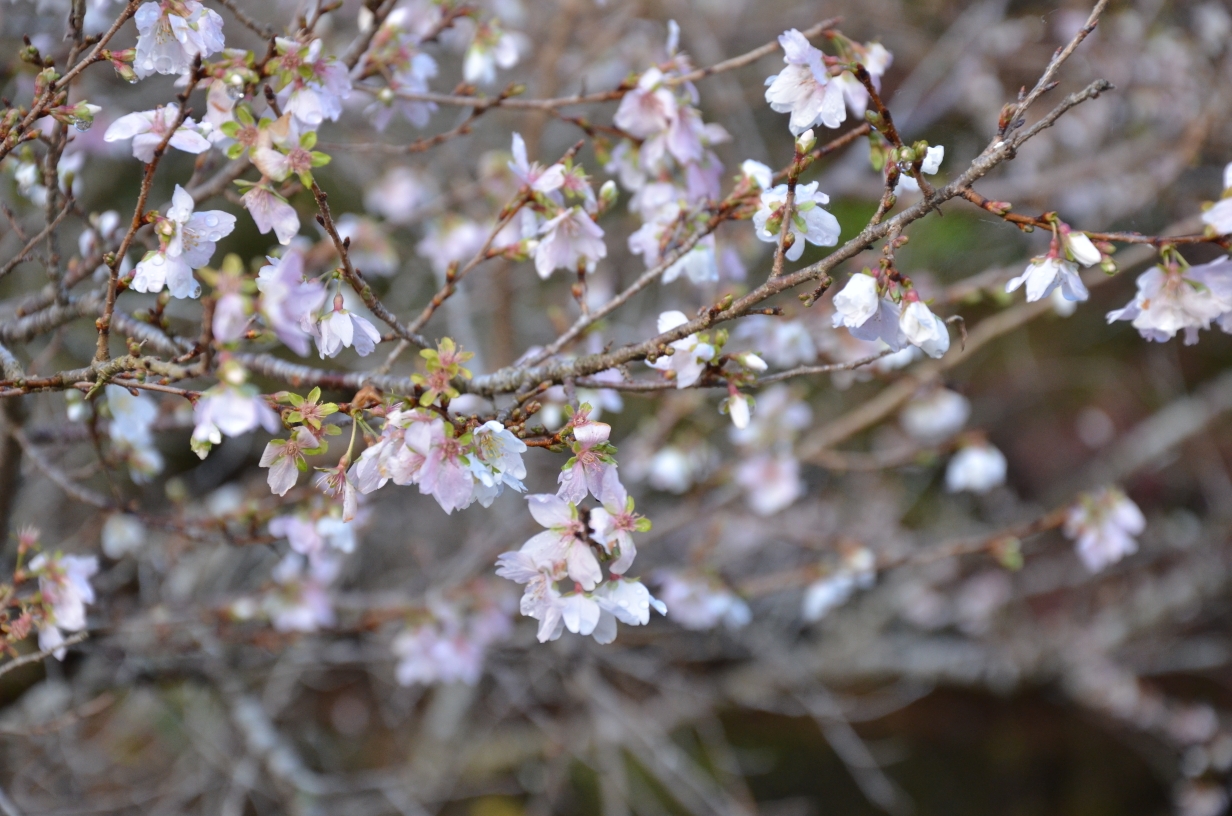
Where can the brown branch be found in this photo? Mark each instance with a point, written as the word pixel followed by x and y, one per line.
pixel 38 657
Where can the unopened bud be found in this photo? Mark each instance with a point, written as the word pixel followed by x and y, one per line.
pixel 806 141
pixel 607 195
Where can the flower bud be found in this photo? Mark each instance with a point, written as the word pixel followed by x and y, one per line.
pixel 806 141
pixel 751 361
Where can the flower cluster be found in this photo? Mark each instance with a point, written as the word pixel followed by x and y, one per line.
pixel 817 89
pixel 1175 297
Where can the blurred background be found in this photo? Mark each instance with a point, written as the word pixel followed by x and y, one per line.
pixel 983 670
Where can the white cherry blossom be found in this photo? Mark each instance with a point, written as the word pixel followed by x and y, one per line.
pixel 569 239
pixel 977 468
pixel 809 222
pixel 147 129
pixel 690 355
pixel 1103 525
pixel 171 33
pixel 803 88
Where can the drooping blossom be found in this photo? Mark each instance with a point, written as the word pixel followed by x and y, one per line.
pixel 271 211
pixel 977 468
pixel 809 221
pixel 147 129
pixel 936 416
pixel 64 583
pixel 875 59
pixel 285 459
pixel 1171 299
pixel 568 240
pixel 803 88
pixel 856 302
pixel 856 570
pixel 564 543
pixel 689 356
pixel 233 407
pixel 760 174
pixel 172 33
pixel 1103 525
pixel 612 525
pixel 739 407
pixel 186 241
pixel 233 305
pixel 339 328
pixel 395 54
pixel 924 329
pixel 698 602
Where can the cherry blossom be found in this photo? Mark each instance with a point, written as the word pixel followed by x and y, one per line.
pixel 271 211
pixel 285 459
pixel 445 473
pixel 856 570
pixel 803 88
pixel 534 175
pixel 172 33
pixel 491 47
pixel 1103 525
pixel 147 129
pixel 1219 216
pixel 857 302
pixel 1046 274
pixel 301 602
pixel 400 195
pixel 624 600
pixel 771 482
pixel 186 242
pixel 977 468
pixel 569 240
pixel 589 468
pixel 935 416
pixel 924 329
pixel 563 543
pixel 495 457
pixel 690 354
pixel 123 534
pixel 809 221
pixel 933 157
pixel 697 602
pixel 64 583
pixel 1172 298
pixel 338 329
pixel 131 431
pixel 287 300
pixel 758 173
pixel 313 86
pixel 612 525
pixel 231 408
pixel 875 59
pixel 648 109
pixel 450 647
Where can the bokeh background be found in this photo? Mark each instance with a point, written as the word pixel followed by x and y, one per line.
pixel 954 685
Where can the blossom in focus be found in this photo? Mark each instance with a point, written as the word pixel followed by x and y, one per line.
pixel 172 33
pixel 857 302
pixel 592 464
pixel 312 86
pixel 803 88
pixel 924 329
pixel 271 211
pixel 147 129
pixel 569 239
pixel 186 242
pixel 1044 275
pixel 444 472
pixel 690 355
pixel 624 600
pixel 933 157
pixel 1103 526
pixel 935 416
pixel 978 468
pixel 809 221
pixel 648 109
pixel 876 59
pixel 699 603
pixel 495 457
pixel 338 329
pixel 612 525
pixel 64 583
pixel 285 459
